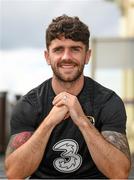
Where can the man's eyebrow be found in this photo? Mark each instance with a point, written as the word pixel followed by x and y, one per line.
pixel 76 46
pixel 70 47
pixel 57 47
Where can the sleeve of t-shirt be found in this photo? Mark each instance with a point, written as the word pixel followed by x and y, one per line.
pixel 24 114
pixel 113 115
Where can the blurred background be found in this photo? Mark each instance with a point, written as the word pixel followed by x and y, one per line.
pixel 22 43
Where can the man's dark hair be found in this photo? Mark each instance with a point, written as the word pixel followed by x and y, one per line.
pixel 70 28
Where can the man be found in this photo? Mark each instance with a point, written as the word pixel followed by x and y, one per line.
pixel 70 126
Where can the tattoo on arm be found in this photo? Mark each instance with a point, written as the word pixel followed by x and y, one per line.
pixel 17 140
pixel 118 140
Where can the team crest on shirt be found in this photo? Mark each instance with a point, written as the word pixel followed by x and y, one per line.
pixel 91 119
pixel 69 160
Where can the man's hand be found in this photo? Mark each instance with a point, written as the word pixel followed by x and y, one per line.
pixel 73 105
pixel 57 114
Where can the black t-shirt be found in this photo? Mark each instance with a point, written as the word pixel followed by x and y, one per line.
pixel 66 155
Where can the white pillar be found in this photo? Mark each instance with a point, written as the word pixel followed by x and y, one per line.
pixel 127 30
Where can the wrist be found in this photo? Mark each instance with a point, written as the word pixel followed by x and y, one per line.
pixel 49 123
pixel 86 121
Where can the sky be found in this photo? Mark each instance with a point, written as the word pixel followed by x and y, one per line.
pixel 23 22
pixel 22 38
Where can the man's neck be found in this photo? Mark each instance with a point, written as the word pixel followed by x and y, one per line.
pixel 70 87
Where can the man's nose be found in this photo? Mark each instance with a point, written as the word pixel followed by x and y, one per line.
pixel 66 54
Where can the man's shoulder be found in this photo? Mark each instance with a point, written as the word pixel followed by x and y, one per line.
pixel 38 91
pixel 98 88
pixel 46 85
pixel 101 93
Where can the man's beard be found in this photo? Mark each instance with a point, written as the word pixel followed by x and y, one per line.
pixel 70 78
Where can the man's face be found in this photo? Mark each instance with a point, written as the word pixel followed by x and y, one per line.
pixel 67 59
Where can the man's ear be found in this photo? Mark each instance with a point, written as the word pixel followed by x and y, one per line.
pixel 46 55
pixel 88 55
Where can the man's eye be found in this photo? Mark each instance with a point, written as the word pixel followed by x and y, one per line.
pixel 75 49
pixel 58 50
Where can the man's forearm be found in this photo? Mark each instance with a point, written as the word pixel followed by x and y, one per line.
pixel 27 157
pixel 109 160
pixel 24 161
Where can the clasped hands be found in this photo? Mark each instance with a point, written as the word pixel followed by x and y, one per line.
pixel 65 105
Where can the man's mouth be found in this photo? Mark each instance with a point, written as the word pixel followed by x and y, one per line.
pixel 67 66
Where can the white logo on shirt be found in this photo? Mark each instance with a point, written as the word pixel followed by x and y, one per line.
pixel 69 161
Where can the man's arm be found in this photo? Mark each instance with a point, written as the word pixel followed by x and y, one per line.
pixel 119 140
pixel 109 150
pixel 26 149
pixel 17 140
pixel 23 155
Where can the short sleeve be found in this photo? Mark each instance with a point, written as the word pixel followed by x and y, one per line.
pixel 24 114
pixel 113 115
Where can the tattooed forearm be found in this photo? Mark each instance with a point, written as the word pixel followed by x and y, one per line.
pixel 17 140
pixel 118 140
